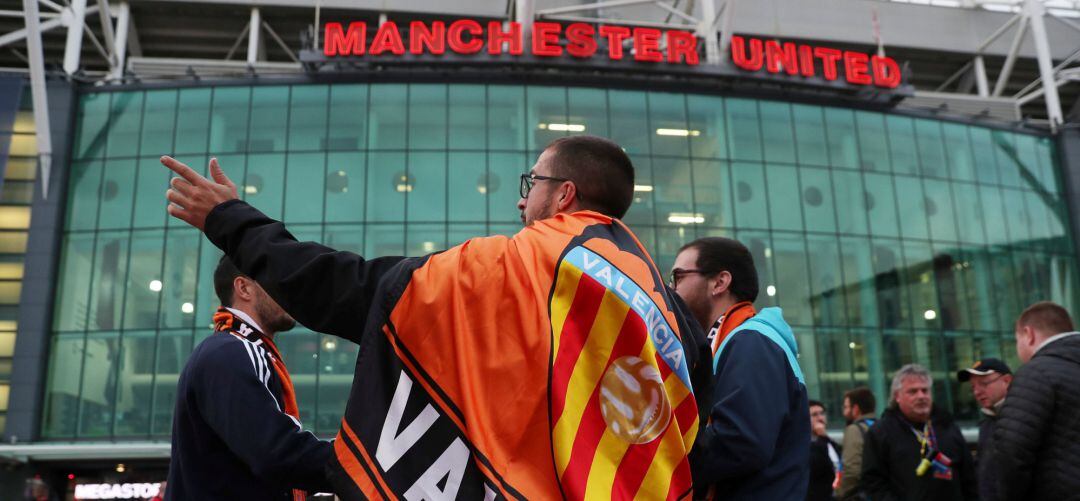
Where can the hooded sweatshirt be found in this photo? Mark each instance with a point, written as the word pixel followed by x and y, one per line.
pixel 755 444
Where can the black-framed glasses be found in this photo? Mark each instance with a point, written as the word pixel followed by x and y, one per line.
pixel 528 180
pixel 678 273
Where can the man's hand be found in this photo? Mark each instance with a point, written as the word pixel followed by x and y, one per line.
pixel 191 196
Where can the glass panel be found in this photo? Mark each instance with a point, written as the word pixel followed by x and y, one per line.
pixel 810 135
pixel 902 146
pixel 776 124
pixel 873 142
pixel 388 182
pixel 627 127
pixel 711 192
pixel 84 187
pixel 62 393
pixel 308 117
pixel 792 277
pixel 109 276
pixel 135 383
pixel 269 118
pixel 860 281
pixel 840 128
pixel 299 349
pixel 384 240
pixel 345 187
pixel 427 117
pixel 546 120
pixel 784 210
pixel 993 206
pixel 178 279
pixel 817 200
pixel 468 178
pixel 304 187
pixel 1017 218
pixel 954 312
pixel 194 125
pixel 93 125
pixel 673 194
pixel 229 120
pixel 427 201
pixel 918 276
pixel 850 202
pixel 117 194
pixel 706 115
pixel 588 107
pixel 834 366
pixel 143 291
pixel 940 209
pixel 958 151
pixel 827 299
pixel 97 394
pixel 506 118
pixel 757 242
pixel 467 117
pixel 750 202
pixel 337 359
pixel 888 272
pixel 643 212
pixel 173 347
pixel 125 121
pixel 743 129
pixel 931 151
pixel 505 169
pixel 667 121
pixel 264 183
pixel 76 265
pixel 425 238
pixel 982 150
pixel 157 133
pixel 151 181
pixel 969 215
pixel 1004 147
pixel 914 207
pixel 348 117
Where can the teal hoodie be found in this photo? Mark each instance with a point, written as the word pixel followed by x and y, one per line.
pixel 770 322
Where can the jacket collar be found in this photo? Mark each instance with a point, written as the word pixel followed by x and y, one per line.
pixel 1058 337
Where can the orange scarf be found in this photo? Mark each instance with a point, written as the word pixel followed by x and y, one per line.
pixel 732 318
pixel 225 321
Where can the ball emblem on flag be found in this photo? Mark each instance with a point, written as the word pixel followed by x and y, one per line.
pixel 633 402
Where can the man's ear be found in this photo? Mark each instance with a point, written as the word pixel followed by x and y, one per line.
pixel 567 196
pixel 242 289
pixel 721 283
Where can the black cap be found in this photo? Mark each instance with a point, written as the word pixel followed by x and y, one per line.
pixel 982 368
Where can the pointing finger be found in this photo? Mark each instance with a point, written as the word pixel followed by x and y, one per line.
pixel 183 170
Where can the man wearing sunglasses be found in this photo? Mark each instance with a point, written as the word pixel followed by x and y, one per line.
pixel 990 379
pixel 754 445
pixel 546 365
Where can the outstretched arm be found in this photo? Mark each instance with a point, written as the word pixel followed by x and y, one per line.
pixel 326 290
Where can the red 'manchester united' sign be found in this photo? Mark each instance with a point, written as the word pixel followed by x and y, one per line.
pixel 752 54
pixel 466 36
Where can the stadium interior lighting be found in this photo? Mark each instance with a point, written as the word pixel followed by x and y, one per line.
pixel 643 187
pixel 155 285
pixel 686 218
pixel 770 290
pixel 563 127
pixel 930 314
pixel 187 308
pixel 677 132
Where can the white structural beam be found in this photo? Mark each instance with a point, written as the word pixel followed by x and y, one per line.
pixel 73 47
pixel 982 84
pixel 727 24
pixel 105 17
pixel 707 31
pixel 37 90
pixel 253 36
pixel 525 14
pixel 1010 60
pixel 53 23
pixel 1035 12
pixel 123 31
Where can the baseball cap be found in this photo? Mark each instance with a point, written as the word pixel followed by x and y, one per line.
pixel 982 368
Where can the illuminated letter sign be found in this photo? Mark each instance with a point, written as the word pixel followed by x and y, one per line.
pixel 753 54
pixel 546 40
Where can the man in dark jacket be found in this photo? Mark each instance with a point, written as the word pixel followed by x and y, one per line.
pixel 1036 449
pixel 915 451
pixel 755 443
pixel 825 466
pixel 236 430
pixel 990 379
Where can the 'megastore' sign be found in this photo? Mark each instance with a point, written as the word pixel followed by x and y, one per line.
pixel 466 36
pixel 581 40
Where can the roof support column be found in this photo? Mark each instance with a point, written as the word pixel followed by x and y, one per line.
pixel 37 89
pixel 73 48
pixel 981 82
pixel 1035 13
pixel 253 36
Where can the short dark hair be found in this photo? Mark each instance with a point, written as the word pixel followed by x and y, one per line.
pixel 863 397
pixel 224 275
pixel 601 171
pixel 817 403
pixel 716 254
pixel 1047 317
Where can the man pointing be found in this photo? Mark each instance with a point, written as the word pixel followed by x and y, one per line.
pixel 547 364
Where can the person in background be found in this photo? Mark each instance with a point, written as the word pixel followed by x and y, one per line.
pixel 990 379
pixel 754 445
pixel 825 466
pixel 859 405
pixel 915 451
pixel 1036 447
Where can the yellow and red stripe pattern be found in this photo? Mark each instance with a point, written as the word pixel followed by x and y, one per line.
pixel 622 410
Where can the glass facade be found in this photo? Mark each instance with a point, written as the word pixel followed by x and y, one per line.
pixel 886 239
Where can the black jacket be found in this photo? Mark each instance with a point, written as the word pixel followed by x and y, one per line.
pixel 987 479
pixel 230 439
pixel 891 455
pixel 822 470
pixel 1036 450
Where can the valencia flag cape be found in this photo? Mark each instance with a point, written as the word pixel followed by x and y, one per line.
pixel 543 366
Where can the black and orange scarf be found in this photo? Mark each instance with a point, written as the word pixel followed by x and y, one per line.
pixel 732 318
pixel 225 321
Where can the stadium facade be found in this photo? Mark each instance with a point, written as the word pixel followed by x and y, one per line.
pixel 904 178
